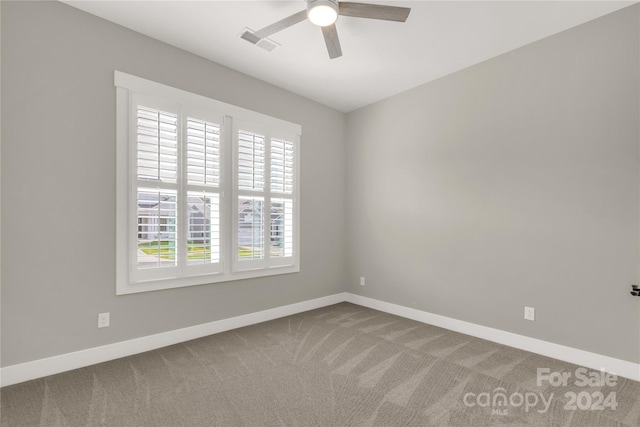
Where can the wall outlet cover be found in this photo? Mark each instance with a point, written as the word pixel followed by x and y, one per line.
pixel 530 313
pixel 103 320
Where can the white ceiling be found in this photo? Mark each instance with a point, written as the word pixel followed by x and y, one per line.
pixel 379 59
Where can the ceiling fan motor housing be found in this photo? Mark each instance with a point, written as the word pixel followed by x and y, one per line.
pixel 322 12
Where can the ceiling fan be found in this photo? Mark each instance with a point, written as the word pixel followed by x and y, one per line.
pixel 324 14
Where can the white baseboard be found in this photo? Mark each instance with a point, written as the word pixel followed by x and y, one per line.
pixel 619 367
pixel 65 362
pixel 52 365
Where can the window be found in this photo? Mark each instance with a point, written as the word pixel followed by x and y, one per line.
pixel 206 191
pixel 265 171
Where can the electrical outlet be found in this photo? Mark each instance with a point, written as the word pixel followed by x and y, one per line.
pixel 103 320
pixel 361 281
pixel 530 313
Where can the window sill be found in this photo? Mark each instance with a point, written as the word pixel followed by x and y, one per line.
pixel 157 285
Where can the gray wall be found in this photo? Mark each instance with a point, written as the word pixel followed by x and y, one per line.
pixel 513 182
pixel 58 185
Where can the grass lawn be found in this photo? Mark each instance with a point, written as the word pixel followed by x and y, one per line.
pixel 247 252
pixel 167 250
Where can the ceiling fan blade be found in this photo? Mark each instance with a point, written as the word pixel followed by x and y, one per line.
pixel 374 11
pixel 330 34
pixel 281 25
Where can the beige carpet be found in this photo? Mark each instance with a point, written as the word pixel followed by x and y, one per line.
pixel 342 365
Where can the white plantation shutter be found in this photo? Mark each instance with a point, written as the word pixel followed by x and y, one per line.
pixel 157 221
pixel 178 200
pixel 250 228
pixel 206 191
pixel 251 161
pixel 203 179
pixel 251 165
pixel 281 227
pixel 157 140
pixel 203 152
pixel 282 158
pixel 203 230
pixel 282 183
pixel 266 211
pixel 157 209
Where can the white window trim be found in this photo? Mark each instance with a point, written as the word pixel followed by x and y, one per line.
pixel 127 86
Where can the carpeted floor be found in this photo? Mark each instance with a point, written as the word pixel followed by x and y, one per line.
pixel 342 365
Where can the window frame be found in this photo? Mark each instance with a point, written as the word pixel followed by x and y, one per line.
pixel 267 195
pixel 130 89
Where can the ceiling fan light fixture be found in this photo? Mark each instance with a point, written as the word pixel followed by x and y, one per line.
pixel 322 12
